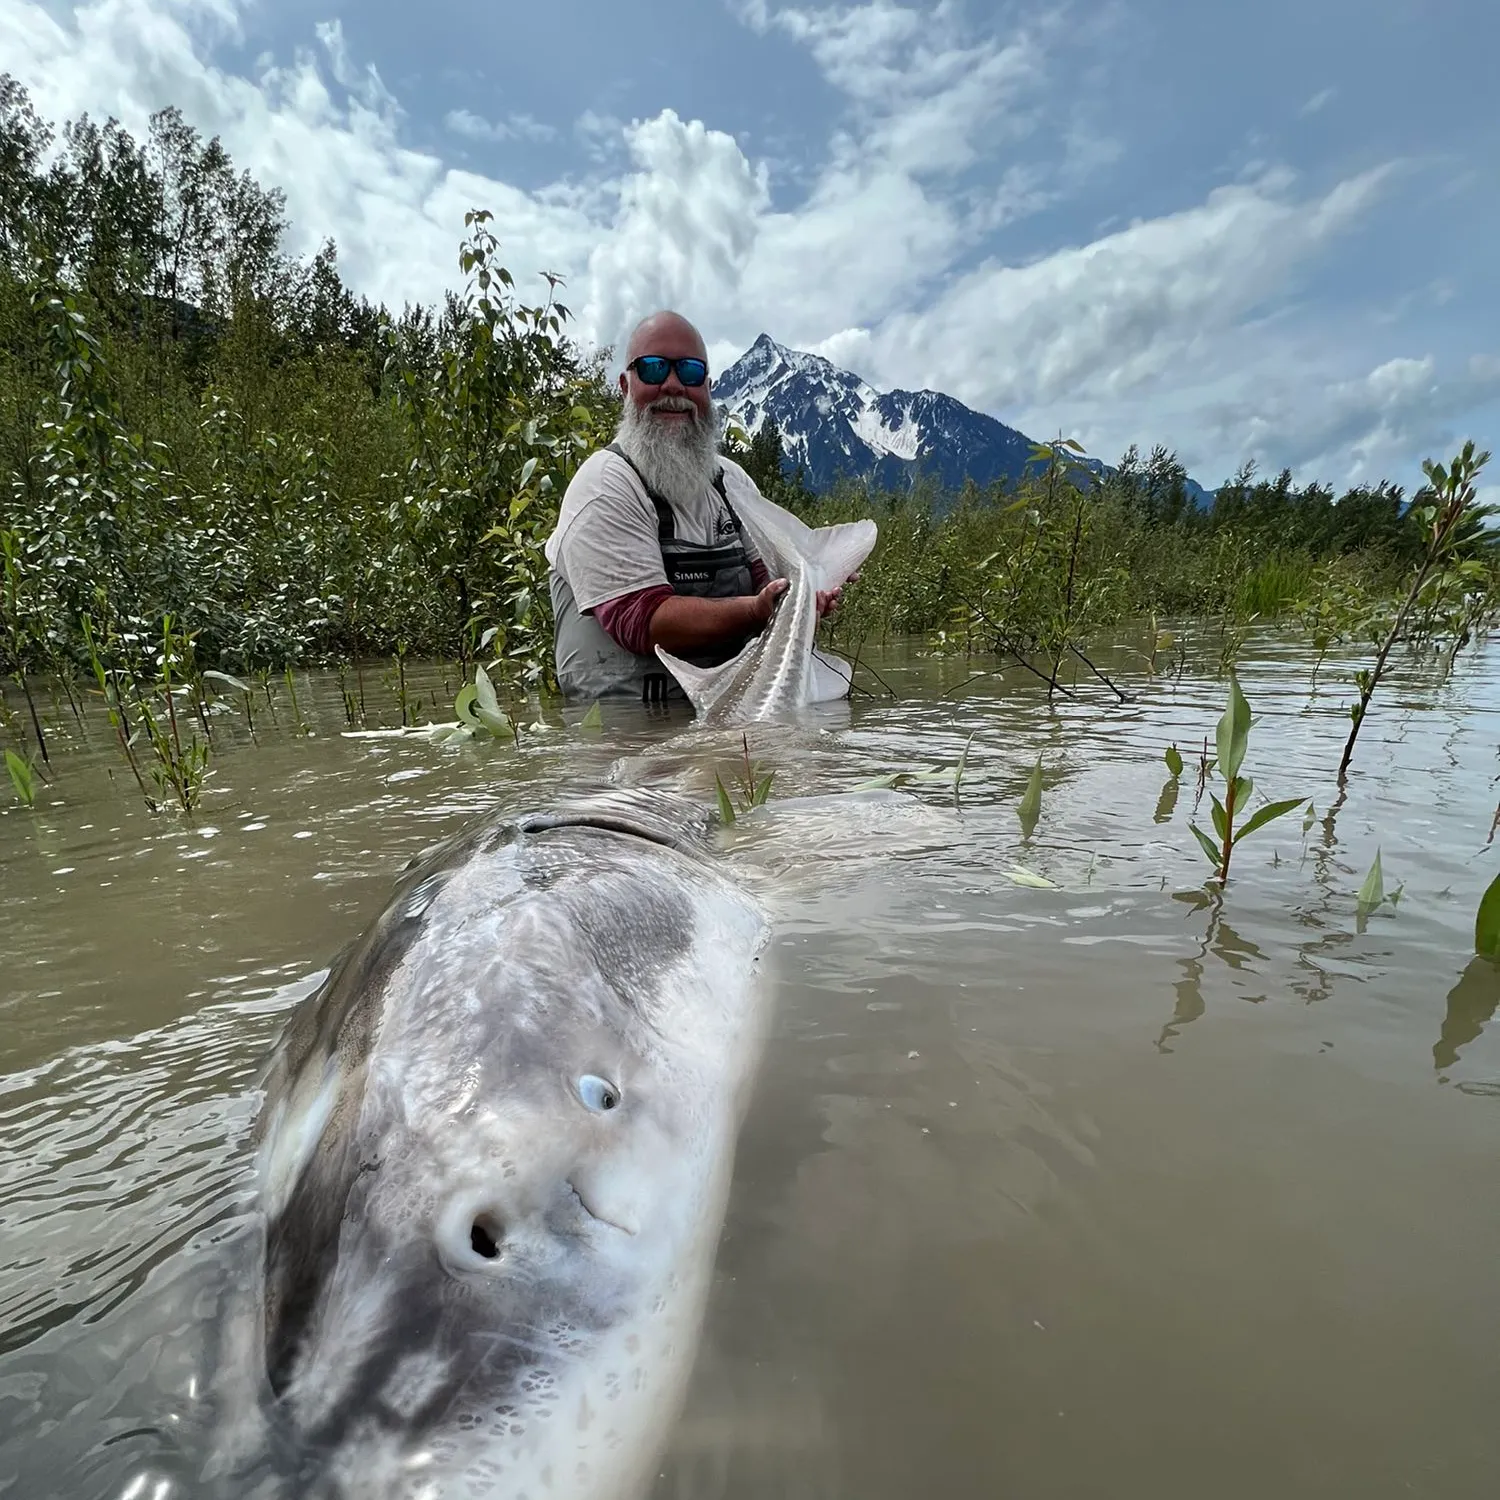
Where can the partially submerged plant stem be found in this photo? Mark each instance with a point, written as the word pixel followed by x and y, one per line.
pixel 1452 503
pixel 1233 739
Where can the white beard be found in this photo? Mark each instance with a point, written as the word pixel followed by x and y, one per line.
pixel 678 460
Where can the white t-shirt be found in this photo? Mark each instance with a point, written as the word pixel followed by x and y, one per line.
pixel 606 541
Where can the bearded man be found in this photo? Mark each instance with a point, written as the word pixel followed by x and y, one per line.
pixel 648 550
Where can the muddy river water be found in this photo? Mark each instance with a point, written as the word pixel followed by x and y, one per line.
pixel 1093 1188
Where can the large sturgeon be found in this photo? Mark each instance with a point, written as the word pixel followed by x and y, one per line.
pixel 778 670
pixel 495 1152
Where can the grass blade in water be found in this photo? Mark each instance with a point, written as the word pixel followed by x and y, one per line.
pixel 22 777
pixel 1030 809
pixel 1372 892
pixel 726 807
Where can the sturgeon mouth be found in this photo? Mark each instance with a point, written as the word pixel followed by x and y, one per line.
pixel 597 1217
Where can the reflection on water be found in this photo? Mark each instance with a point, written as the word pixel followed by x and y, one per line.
pixel 1115 1186
pixel 1471 1007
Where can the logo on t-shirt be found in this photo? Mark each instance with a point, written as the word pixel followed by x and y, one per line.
pixel 724 526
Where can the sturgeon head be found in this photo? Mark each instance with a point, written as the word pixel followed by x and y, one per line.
pixel 495 1154
pixel 778 672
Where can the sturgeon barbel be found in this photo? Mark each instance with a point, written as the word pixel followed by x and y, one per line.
pixel 495 1153
pixel 778 670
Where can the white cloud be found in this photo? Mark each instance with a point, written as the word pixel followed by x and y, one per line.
pixel 334 147
pixel 885 258
pixel 1361 430
pixel 1319 101
pixel 365 83
pixel 516 127
pixel 686 225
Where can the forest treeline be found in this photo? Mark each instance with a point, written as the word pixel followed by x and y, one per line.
pixel 216 453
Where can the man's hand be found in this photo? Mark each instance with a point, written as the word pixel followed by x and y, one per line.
pixel 763 605
pixel 828 599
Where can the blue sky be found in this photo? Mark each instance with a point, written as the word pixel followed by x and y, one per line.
pixel 1247 231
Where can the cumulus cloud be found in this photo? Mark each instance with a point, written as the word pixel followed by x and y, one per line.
pixel 1363 429
pixel 885 258
pixel 319 126
pixel 1104 318
pixel 686 224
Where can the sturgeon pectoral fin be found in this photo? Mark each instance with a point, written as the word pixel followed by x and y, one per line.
pixel 828 678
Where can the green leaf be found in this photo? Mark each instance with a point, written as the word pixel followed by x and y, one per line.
pixel 1372 892
pixel 484 691
pixel 1173 759
pixel 1211 849
pixel 593 721
pixel 497 724
pixel 233 682
pixel 1031 803
pixel 527 470
pixel 1221 818
pixel 726 807
pixel 1311 818
pixel 1487 921
pixel 1234 731
pixel 1022 876
pixel 963 760
pixel 936 773
pixel 763 789
pixel 1243 787
pixel 883 783
pixel 1264 814
pixel 22 778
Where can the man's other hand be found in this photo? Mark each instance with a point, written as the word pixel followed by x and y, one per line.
pixel 828 599
pixel 763 606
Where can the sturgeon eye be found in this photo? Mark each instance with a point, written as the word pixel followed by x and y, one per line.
pixel 597 1093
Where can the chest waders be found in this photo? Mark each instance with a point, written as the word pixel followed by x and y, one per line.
pixel 717 571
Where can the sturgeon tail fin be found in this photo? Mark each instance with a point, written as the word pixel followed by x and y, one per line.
pixel 837 551
pixel 829 553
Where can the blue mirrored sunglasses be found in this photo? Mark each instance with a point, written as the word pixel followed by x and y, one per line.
pixel 653 369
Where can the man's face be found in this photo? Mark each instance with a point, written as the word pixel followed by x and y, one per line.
pixel 670 404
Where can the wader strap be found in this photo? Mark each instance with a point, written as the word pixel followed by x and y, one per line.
pixel 665 524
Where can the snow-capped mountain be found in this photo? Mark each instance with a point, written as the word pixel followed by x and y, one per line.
pixel 835 424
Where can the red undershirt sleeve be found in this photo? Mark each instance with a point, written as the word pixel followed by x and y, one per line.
pixel 627 619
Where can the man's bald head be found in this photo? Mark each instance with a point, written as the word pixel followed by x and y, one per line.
pixel 667 333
